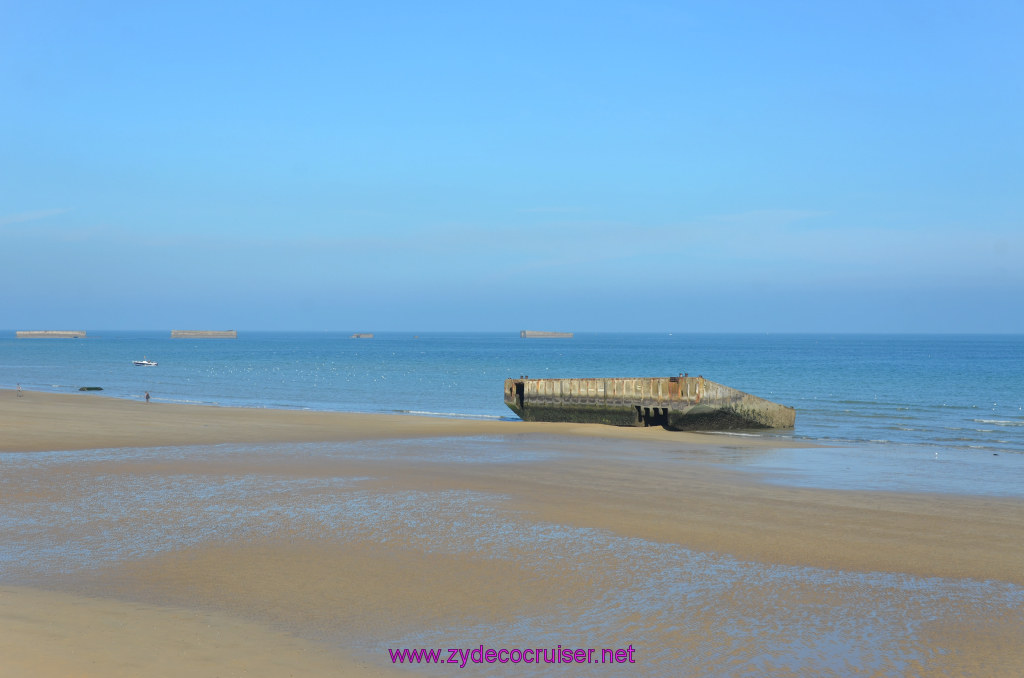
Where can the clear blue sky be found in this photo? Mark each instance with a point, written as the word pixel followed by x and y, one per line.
pixel 588 166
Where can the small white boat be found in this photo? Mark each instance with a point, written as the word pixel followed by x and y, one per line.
pixel 144 362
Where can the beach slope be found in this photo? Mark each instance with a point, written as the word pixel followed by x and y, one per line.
pixel 266 542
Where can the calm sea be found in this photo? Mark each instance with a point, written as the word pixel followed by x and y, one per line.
pixel 941 392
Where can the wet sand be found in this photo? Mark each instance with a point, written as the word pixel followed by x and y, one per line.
pixel 46 633
pixel 319 540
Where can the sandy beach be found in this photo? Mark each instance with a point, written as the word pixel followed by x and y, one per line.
pixel 269 542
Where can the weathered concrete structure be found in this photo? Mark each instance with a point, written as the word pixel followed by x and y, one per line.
pixel 678 403
pixel 204 334
pixel 362 335
pixel 533 334
pixel 49 334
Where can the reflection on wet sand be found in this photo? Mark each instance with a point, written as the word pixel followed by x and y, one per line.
pixel 526 541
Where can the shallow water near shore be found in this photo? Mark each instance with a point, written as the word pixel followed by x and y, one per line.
pixel 893 469
pixel 67 496
pixel 273 533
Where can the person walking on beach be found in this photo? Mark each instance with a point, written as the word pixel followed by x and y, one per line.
pixel 147 397
pixel 19 391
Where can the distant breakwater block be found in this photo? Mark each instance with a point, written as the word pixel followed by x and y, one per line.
pixel 362 335
pixel 533 334
pixel 204 334
pixel 50 334
pixel 680 403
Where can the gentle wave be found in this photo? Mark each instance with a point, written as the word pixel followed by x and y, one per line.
pixel 182 401
pixel 994 446
pixel 999 422
pixel 457 415
pixel 733 433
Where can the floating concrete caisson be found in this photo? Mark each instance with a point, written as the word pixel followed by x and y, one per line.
pixel 679 403
pixel 49 334
pixel 534 334
pixel 204 334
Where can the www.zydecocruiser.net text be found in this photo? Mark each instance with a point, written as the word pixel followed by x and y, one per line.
pixel 463 656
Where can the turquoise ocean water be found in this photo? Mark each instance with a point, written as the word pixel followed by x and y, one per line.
pixel 940 392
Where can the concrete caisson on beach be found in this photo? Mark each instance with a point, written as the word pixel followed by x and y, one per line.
pixel 678 403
